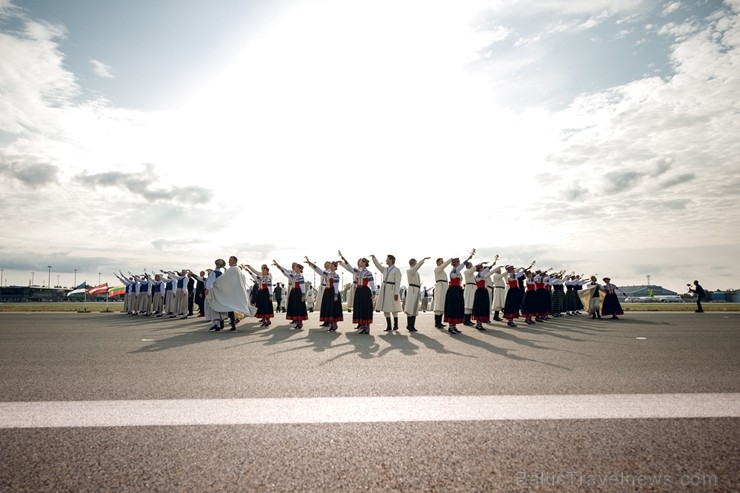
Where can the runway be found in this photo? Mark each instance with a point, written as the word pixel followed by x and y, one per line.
pixel 109 402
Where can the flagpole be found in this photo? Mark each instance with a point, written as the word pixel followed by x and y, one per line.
pixel 84 303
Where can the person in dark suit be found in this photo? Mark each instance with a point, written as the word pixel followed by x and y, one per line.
pixel 700 294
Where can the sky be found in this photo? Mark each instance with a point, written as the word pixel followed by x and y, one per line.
pixel 593 136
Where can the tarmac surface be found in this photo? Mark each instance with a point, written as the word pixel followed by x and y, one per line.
pixel 101 402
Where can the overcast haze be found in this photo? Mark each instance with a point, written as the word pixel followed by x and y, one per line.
pixel 596 136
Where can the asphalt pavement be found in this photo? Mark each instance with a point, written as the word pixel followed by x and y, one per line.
pixel 172 367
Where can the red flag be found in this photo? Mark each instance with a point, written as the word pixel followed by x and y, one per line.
pixel 100 289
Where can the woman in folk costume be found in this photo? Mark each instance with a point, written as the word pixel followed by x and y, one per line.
pixel 297 311
pixel 513 301
pixel 413 295
pixel 330 310
pixel 529 306
pixel 455 299
pixel 482 302
pixel 611 304
pixel 543 300
pixel 389 295
pixel 263 300
pixel 558 294
pixel 572 303
pixel 362 310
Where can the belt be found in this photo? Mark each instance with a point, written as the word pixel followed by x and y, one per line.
pixel 386 282
pixel 441 280
pixel 470 284
pixel 415 285
pixel 500 287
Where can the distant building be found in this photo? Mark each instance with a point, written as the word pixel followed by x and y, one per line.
pixel 32 293
pixel 726 296
pixel 647 291
pixel 650 293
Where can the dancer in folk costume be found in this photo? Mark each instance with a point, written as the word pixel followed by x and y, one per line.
pixel 482 302
pixel 181 294
pixel 590 297
pixel 330 309
pixel 499 292
pixel 388 300
pixel 263 301
pixel 455 299
pixel 611 304
pixel 424 299
pixel 362 310
pixel 513 301
pixel 297 311
pixel 413 294
pixel 572 303
pixel 145 295
pixel 158 296
pixel 440 291
pixel 543 300
pixel 529 305
pixel 469 291
pixel 227 294
pixel 558 294
pixel 212 315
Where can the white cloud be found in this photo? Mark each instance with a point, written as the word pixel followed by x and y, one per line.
pixel 671 7
pixel 101 69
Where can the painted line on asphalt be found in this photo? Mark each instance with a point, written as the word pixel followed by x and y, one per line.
pixel 190 412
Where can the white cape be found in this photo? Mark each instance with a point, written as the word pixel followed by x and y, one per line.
pixel 230 293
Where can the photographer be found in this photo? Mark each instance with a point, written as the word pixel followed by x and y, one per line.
pixel 699 291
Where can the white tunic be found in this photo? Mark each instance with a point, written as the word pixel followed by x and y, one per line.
pixel 413 296
pixel 389 299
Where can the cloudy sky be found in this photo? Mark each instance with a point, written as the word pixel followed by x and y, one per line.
pixel 596 136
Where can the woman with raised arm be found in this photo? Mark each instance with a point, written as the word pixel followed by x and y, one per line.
pixel 482 299
pixel 297 311
pixel 330 309
pixel 263 302
pixel 514 295
pixel 362 311
pixel 454 312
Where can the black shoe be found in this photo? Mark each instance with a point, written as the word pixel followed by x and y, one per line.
pixel 511 324
pixel 388 329
pixel 411 329
pixel 453 331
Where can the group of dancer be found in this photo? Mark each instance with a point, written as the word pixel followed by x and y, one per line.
pixel 469 294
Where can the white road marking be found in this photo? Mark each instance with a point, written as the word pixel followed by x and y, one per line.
pixel 186 412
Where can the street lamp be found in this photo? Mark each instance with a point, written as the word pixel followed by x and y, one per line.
pixel 98 278
pixel 48 282
pixel 58 285
pixel 32 275
pixel 75 283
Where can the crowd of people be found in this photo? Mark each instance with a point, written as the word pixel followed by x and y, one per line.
pixel 470 294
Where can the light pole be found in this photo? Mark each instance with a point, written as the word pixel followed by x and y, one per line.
pixel 58 286
pixel 98 278
pixel 2 272
pixel 48 282
pixel 74 285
